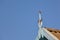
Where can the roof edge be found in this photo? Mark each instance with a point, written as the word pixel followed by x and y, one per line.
pixel 50 34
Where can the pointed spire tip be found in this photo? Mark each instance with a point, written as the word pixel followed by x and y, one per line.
pixel 40 11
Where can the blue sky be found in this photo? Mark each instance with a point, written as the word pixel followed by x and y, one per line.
pixel 18 18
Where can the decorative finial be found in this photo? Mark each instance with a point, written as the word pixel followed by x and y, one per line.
pixel 40 12
pixel 40 18
pixel 40 26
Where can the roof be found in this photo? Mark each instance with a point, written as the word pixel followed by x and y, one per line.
pixel 49 33
pixel 55 32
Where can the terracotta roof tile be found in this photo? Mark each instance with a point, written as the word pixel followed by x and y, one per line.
pixel 55 32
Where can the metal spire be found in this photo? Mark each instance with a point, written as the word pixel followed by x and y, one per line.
pixel 40 19
pixel 40 26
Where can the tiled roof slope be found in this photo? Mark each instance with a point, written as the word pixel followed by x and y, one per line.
pixel 55 32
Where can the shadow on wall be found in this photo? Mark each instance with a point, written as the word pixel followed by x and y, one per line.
pixel 44 38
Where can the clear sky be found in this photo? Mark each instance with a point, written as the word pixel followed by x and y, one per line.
pixel 18 18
